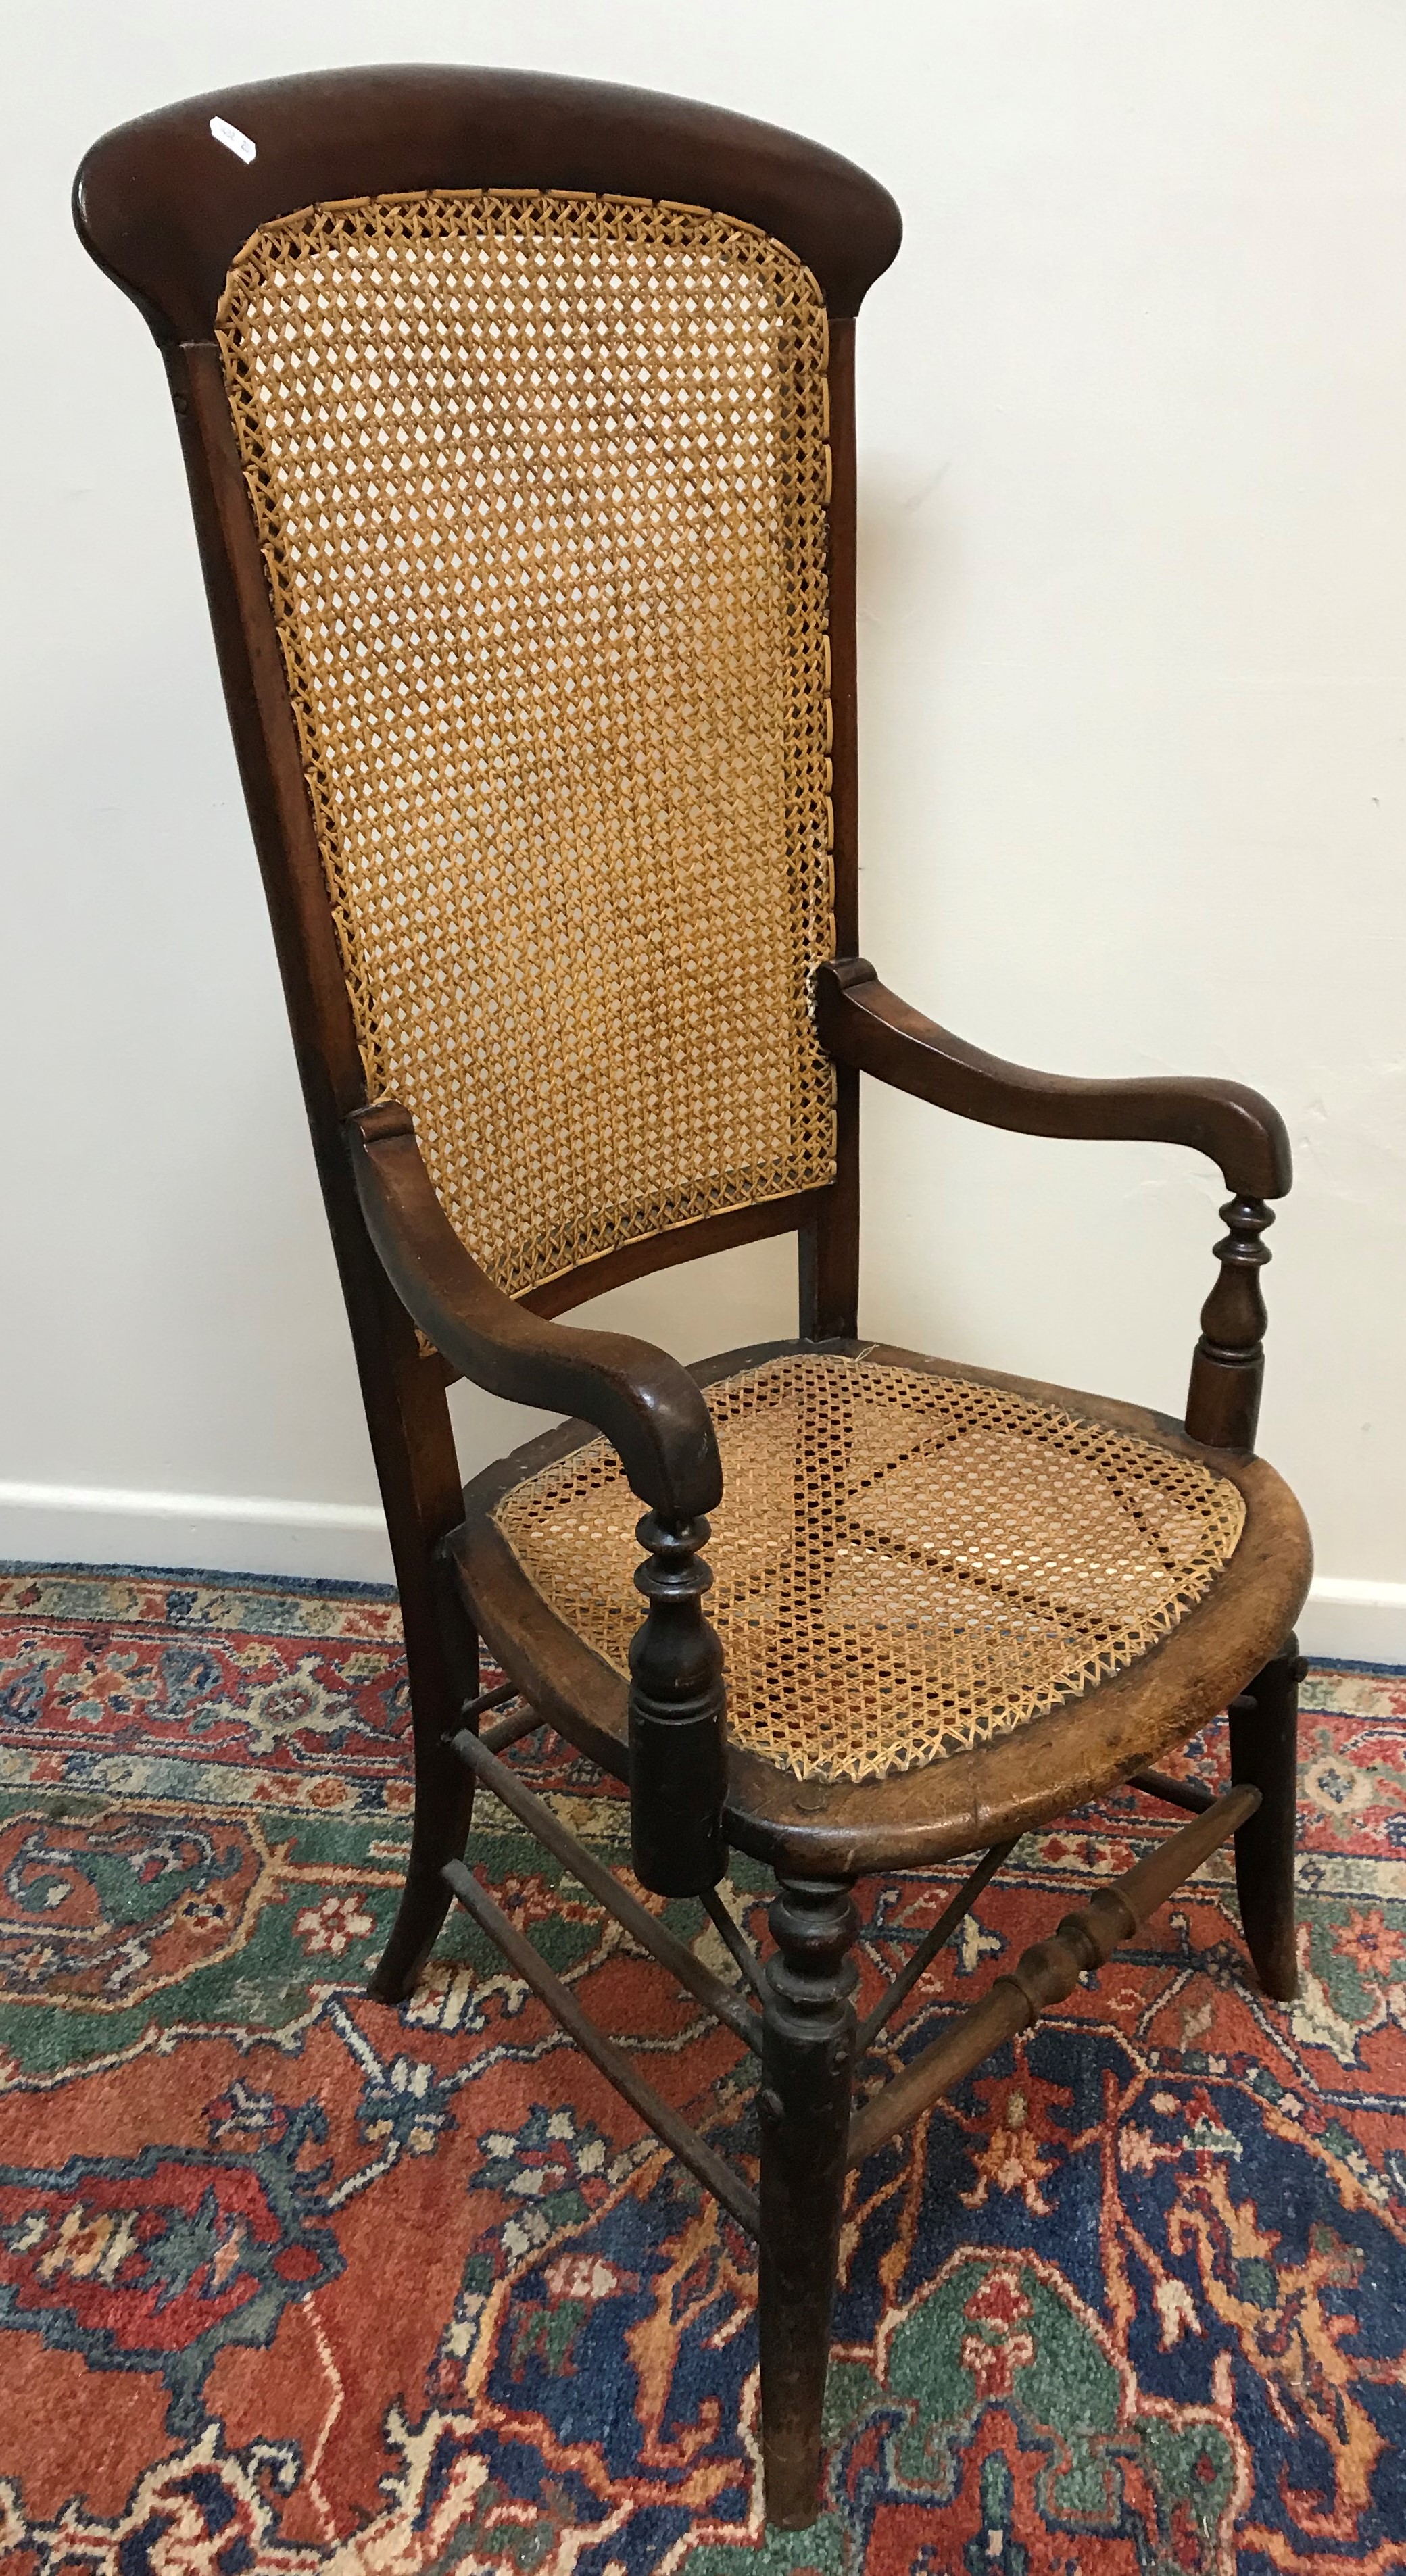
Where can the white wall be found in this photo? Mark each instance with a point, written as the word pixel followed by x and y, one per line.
pixel 1133 474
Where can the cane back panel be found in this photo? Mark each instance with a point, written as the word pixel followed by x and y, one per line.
pixel 541 486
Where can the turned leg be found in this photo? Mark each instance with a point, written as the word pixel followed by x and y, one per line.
pixel 1264 1744
pixel 807 2067
pixel 441 1653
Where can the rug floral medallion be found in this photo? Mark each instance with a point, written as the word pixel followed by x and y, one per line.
pixel 293 2282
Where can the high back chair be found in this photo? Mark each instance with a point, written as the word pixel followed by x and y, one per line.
pixel 518 418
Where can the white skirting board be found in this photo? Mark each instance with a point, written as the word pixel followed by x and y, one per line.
pixel 1350 1622
pixel 1347 1620
pixel 224 1533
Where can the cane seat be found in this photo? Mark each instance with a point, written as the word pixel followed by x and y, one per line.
pixel 917 1569
pixel 905 1565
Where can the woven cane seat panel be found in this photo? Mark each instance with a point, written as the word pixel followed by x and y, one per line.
pixel 906 1565
pixel 541 485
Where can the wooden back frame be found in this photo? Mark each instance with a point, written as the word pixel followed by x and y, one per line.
pixel 163 206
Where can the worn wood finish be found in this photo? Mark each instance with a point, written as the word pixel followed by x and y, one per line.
pixel 441 1654
pixel 733 1937
pixel 808 2036
pixel 1190 1794
pixel 1264 1750
pixel 511 1730
pixel 865 1025
pixel 927 1950
pixel 692 1973
pixel 829 1242
pixel 704 1234
pixel 408 1419
pixel 674 1716
pixel 1046 1973
pixel 647 1405
pixel 163 208
pixel 968 1801
pixel 657 2114
pixel 655 1416
pixel 1227 1368
pixel 680 1243
pixel 475 1710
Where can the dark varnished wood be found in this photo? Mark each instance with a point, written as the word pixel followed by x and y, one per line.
pixel 441 1653
pixel 1227 1368
pixel 664 1251
pixel 808 2041
pixel 646 1403
pixel 865 1025
pixel 408 1419
pixel 1046 1973
pixel 267 749
pixel 511 1730
pixel 1191 1794
pixel 657 2114
pixel 1264 1750
pixel 968 1801
pixel 829 1240
pixel 689 1971
pixel 868 1028
pixel 164 208
pixel 674 1715
pixel 953 1913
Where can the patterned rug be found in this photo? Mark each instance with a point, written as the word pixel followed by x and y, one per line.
pixel 291 2282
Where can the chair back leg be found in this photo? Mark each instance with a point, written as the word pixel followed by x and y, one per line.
pixel 808 2041
pixel 1264 1750
pixel 441 1653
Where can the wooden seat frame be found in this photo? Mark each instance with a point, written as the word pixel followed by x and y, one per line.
pixel 163 208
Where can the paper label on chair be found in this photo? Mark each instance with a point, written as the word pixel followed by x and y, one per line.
pixel 232 139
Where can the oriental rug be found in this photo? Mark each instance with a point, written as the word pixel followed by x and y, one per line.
pixel 290 2282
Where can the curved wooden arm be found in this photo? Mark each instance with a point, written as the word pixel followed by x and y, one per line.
pixel 862 1023
pixel 647 1405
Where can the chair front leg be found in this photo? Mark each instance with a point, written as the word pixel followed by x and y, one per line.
pixel 1264 1750
pixel 808 2039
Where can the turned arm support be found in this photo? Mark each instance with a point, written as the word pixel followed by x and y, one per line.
pixel 861 1023
pixel 656 1418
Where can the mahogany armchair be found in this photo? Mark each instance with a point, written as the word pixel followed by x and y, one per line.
pixel 518 419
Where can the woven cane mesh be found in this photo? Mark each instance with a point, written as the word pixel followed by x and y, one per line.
pixel 905 1565
pixel 541 486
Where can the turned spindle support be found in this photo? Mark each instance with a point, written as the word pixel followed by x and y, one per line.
pixel 678 1754
pixel 1227 1372
pixel 808 2046
pixel 1044 1974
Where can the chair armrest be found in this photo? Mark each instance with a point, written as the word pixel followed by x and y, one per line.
pixel 860 1022
pixel 863 1024
pixel 645 1403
